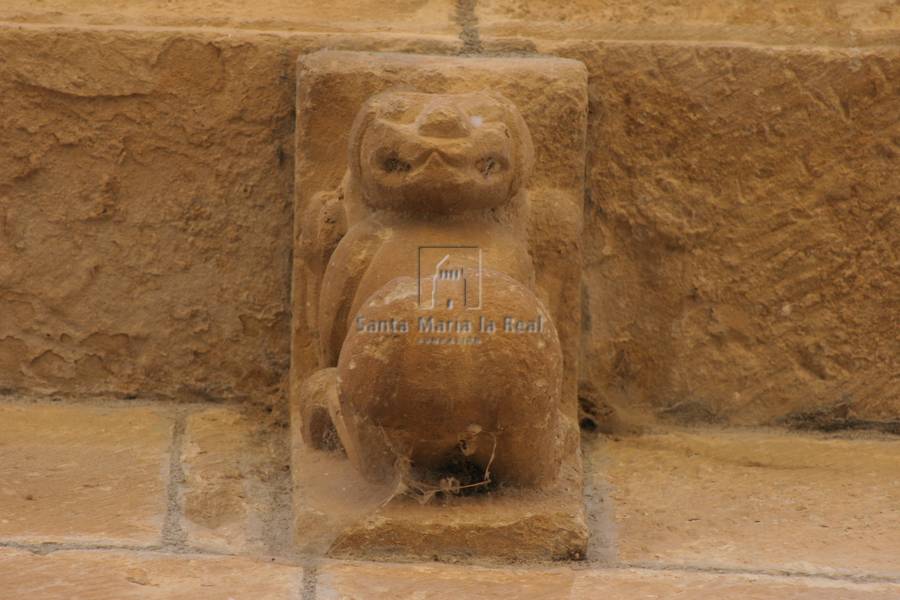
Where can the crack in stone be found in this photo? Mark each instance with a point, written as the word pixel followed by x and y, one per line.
pixel 603 541
pixel 468 21
pixel 860 578
pixel 113 400
pixel 310 582
pixel 45 548
pixel 173 534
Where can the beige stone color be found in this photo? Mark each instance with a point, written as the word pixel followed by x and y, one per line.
pixel 84 475
pixel 468 375
pixel 448 362
pixel 436 294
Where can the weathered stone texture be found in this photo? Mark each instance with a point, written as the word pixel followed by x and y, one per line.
pixel 146 207
pixel 231 482
pixel 100 575
pixel 82 474
pixel 431 582
pixel 834 22
pixel 531 443
pixel 144 576
pixel 741 234
pixel 776 502
pixel 423 16
pixel 711 514
pixel 346 581
pixel 144 196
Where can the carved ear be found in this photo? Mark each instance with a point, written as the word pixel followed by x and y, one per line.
pixel 524 147
pixel 363 119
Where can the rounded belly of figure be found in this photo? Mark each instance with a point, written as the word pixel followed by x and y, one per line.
pixel 427 380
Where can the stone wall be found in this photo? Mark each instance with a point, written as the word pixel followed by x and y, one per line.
pixel 741 230
pixel 146 213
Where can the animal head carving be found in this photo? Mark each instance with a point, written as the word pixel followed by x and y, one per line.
pixel 439 153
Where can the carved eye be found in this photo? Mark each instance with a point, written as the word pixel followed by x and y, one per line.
pixel 488 165
pixel 394 165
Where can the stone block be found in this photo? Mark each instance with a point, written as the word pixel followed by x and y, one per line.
pixel 338 513
pixel 147 214
pixel 83 474
pixel 101 575
pixel 332 88
pixel 358 17
pixel 740 229
pixel 776 22
pixel 231 481
pixel 762 501
pixel 348 581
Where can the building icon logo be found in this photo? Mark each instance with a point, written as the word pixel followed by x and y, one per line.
pixel 449 277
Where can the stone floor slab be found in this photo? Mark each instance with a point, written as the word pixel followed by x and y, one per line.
pixel 628 584
pixel 228 481
pixel 769 501
pixel 368 581
pixel 382 581
pixel 84 474
pixel 97 575
pixel 337 513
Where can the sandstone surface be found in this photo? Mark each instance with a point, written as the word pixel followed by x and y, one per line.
pixel 768 502
pixel 233 481
pixel 88 575
pixel 703 513
pixel 83 475
pixel 350 581
pixel 740 234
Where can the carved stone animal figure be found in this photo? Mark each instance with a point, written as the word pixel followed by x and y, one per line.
pixel 436 351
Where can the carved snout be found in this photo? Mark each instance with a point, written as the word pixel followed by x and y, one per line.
pixel 443 121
